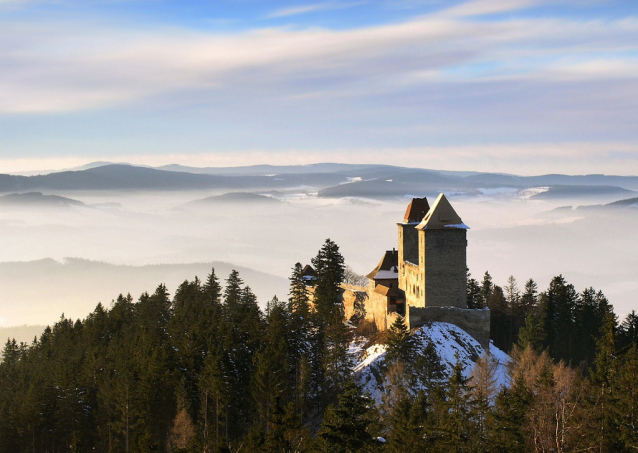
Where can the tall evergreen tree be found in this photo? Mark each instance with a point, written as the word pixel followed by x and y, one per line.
pixel 559 303
pixel 487 286
pixel 508 418
pixel 400 344
pixel 330 268
pixel 454 417
pixel 473 293
pixel 603 429
pixel 628 331
pixel 500 324
pixel 625 409
pixel 347 426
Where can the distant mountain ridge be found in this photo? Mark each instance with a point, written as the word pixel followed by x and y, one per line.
pixel 329 179
pixel 235 198
pixel 37 199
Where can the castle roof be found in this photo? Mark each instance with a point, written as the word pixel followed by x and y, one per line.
pixel 441 216
pixel 388 267
pixel 389 292
pixel 417 209
pixel 308 271
pixel 308 275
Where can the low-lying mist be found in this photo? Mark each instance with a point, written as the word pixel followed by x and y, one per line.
pixel 509 235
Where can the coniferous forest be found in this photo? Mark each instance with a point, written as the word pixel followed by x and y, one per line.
pixel 207 370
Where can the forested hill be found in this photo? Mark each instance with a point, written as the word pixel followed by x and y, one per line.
pixel 331 180
pixel 207 370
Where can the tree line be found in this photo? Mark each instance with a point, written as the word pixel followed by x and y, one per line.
pixel 208 371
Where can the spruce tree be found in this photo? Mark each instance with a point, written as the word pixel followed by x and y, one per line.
pixel 603 429
pixel 454 420
pixel 560 301
pixel 473 293
pixel 407 422
pixel 486 289
pixel 508 418
pixel 529 298
pixel 400 344
pixel 628 331
pixel 346 427
pixel 532 334
pixel 625 408
pixel 330 268
pixel 499 320
pixel 428 369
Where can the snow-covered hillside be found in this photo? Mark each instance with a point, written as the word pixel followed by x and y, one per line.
pixel 448 340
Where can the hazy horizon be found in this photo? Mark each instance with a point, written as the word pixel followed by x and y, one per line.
pixel 508 236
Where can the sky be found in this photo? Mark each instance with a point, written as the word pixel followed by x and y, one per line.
pixel 518 86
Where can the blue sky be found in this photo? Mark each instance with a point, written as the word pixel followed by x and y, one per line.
pixel 521 86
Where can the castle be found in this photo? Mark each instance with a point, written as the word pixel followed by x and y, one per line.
pixel 424 280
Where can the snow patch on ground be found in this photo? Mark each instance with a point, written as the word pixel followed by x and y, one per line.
pixel 449 342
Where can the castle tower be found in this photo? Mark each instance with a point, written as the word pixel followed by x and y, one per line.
pixel 409 245
pixel 442 257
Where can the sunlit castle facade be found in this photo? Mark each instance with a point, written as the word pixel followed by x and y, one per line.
pixel 424 280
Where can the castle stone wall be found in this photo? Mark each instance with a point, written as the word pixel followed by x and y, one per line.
pixel 444 255
pixel 355 301
pixel 408 243
pixel 364 303
pixel 413 284
pixel 474 322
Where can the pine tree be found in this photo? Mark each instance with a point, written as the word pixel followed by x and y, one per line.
pixel 473 294
pixel 300 338
pixel 212 289
pixel 532 334
pixel 407 423
pixel 336 365
pixel 486 289
pixel 346 427
pixel 508 418
pixel 400 344
pixel 428 369
pixel 602 377
pixel 271 377
pixel 330 268
pixel 529 298
pixel 628 331
pixel 561 299
pixel 331 337
pixel 454 420
pixel 500 324
pixel 590 312
pixel 215 393
pixel 625 408
pixel 287 433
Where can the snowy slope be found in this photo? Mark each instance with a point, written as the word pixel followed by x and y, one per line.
pixel 448 340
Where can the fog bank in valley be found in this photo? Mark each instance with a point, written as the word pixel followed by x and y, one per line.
pixel 510 235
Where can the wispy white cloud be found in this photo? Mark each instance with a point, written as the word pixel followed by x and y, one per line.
pixel 70 66
pixel 293 11
pixel 484 7
pixel 440 78
pixel 303 9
